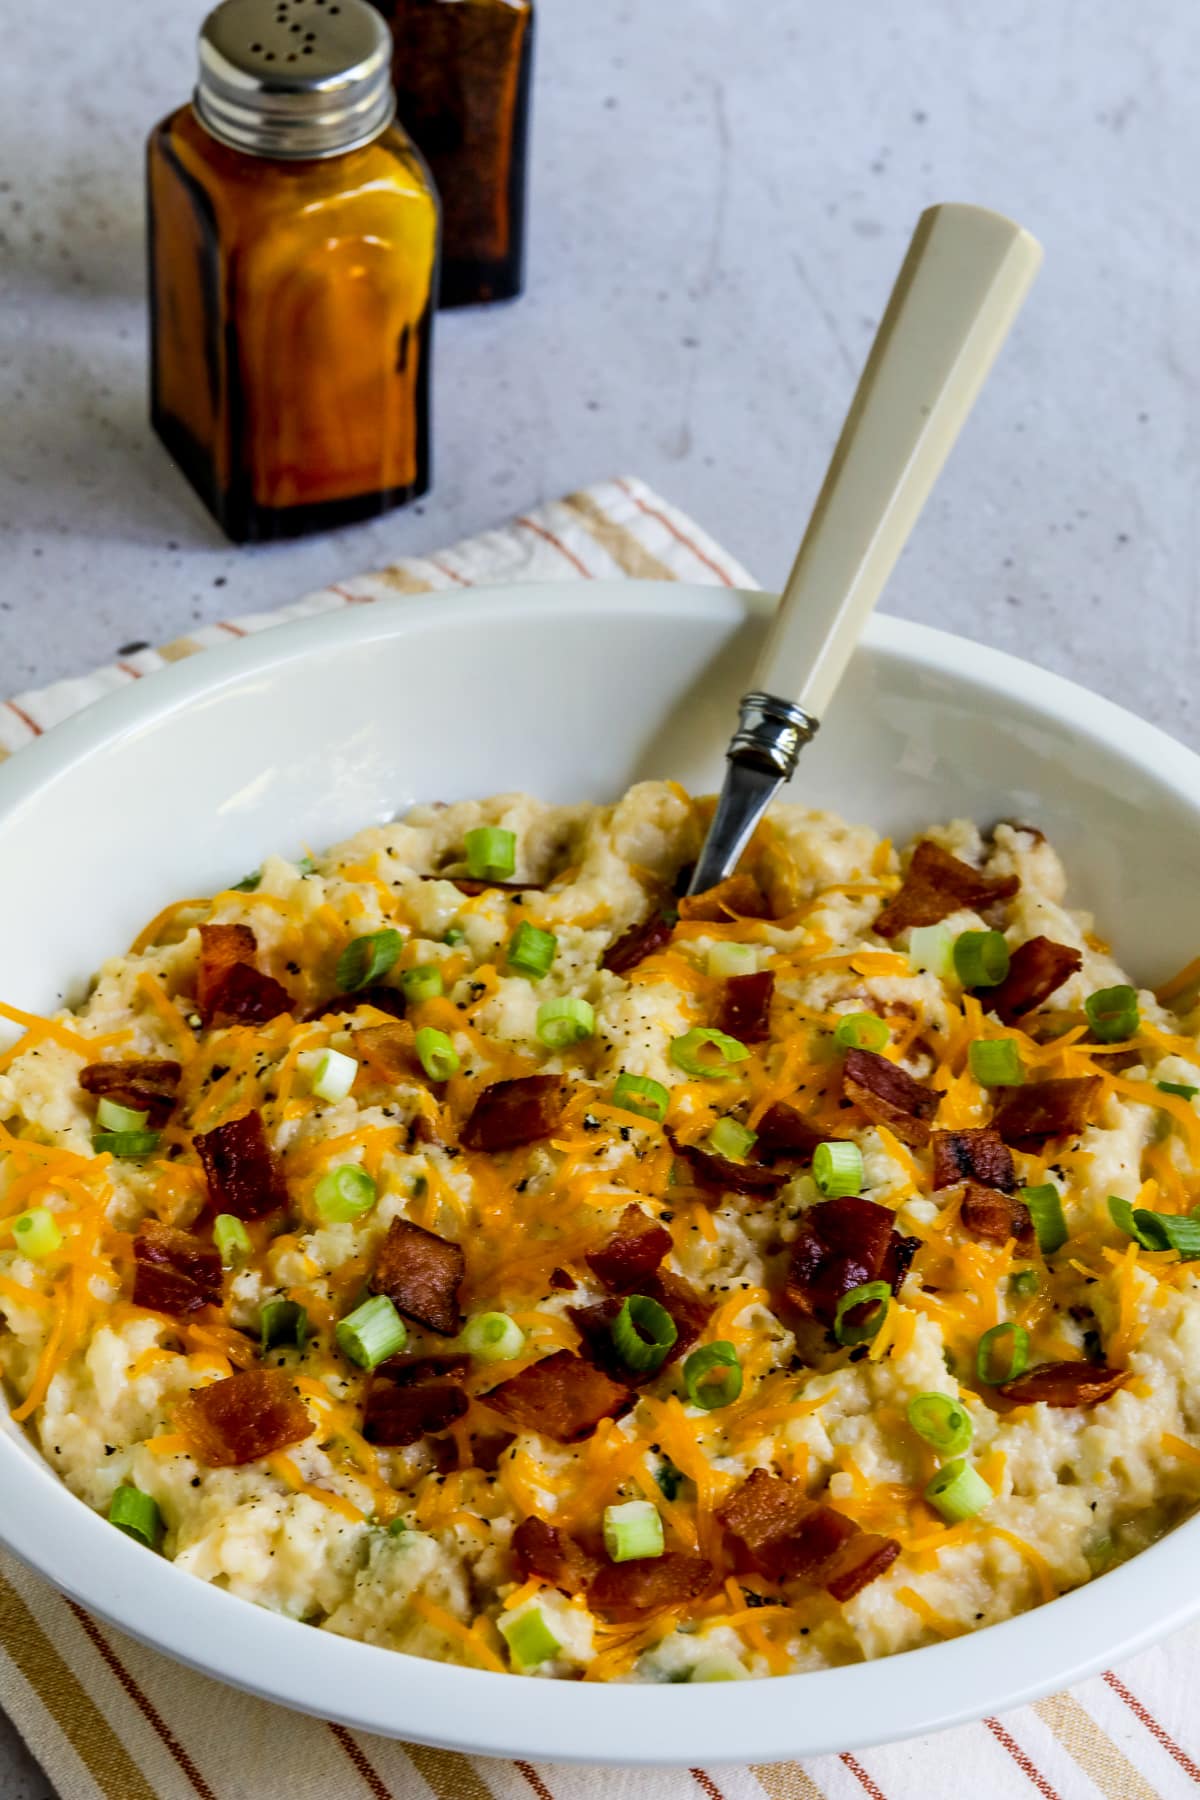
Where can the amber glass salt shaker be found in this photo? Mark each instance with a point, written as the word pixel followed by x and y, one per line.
pixel 293 247
pixel 462 72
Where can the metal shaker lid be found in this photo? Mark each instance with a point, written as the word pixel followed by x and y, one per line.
pixel 295 78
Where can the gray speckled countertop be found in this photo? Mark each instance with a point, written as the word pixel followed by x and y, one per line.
pixel 719 205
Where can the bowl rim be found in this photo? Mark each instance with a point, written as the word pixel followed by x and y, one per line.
pixel 355 1684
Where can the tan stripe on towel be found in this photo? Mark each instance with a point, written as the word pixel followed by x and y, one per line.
pixel 1096 1754
pixel 450 1775
pixel 67 1701
pixel 625 550
pixel 786 1781
pixel 178 648
pixel 398 577
pixel 135 1692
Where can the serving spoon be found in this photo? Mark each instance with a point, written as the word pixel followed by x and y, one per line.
pixel 960 287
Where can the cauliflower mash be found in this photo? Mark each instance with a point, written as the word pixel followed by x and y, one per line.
pixel 464 1242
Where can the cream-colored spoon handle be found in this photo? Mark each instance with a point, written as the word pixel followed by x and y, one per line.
pixel 961 286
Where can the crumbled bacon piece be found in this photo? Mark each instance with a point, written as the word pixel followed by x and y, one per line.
pixel 244 1176
pixel 562 1396
pixel 420 1273
pixel 986 1212
pixel 786 1536
pixel 938 884
pixel 398 1414
pixel 511 1113
pixel 228 986
pixel 632 1253
pixel 737 897
pixel 550 1554
pixel 383 999
pixel 746 1006
pixel 783 1533
pixel 784 1130
pixel 144 1083
pixel 562 1281
pixel 723 1175
pixel 242 1418
pixel 1065 1384
pixel 861 1559
pixel 1045 1109
pixel 649 1584
pixel 842 1244
pixel 406 1371
pixel 889 1096
pixel 636 944
pixel 247 997
pixel 973 1155
pixel 222 947
pixel 388 1051
pixel 1036 970
pixel 174 1272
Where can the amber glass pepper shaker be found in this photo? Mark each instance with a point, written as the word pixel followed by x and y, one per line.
pixel 463 70
pixel 293 247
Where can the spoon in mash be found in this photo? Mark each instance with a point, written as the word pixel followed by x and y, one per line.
pixel 958 292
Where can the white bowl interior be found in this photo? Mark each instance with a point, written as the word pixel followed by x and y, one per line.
pixel 297 738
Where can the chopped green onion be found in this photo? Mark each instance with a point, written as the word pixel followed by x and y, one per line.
pixel 126 1143
pixel 282 1322
pixel 492 1337
pixel 436 1053
pixel 958 1492
pixel 1157 1231
pixel 531 950
pixel 720 1359
pixel 563 1022
pixel 306 866
pixel 633 1531
pixel 732 1140
pixel 344 1193
pixel 491 853
pixel 453 935
pixel 1113 1013
pixel 111 1117
pixel 931 948
pixel 1024 1284
pixel 1045 1208
pixel 942 1422
pixel 980 958
pixel 1100 1552
pixel 669 1478
pixel 724 960
pixel 231 1238
pixel 371 1332
pixel 1002 1354
pixel 333 1075
pixel 137 1515
pixel 877 1297
pixel 422 983
pixel 996 1062
pixel 365 959
pixel 707 1053
pixel 642 1095
pixel 36 1233
pixel 722 1665
pixel 397 1528
pixel 838 1169
pixel 1183 1088
pixel 248 883
pixel 861 1031
pixel 529 1638
pixel 643 1332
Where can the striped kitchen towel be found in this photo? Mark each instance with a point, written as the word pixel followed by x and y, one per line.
pixel 111 1720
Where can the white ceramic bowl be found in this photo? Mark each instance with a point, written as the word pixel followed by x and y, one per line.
pixel 301 735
